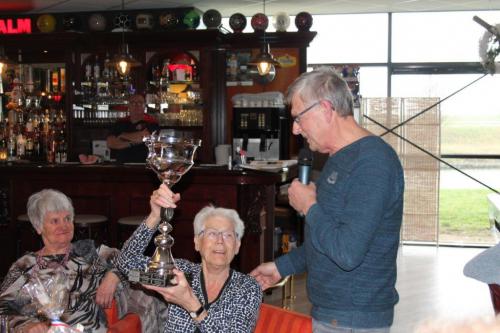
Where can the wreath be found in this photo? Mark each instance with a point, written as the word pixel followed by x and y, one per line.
pixel 489 48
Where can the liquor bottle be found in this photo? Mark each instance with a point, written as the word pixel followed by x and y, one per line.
pixel 61 155
pixel 194 70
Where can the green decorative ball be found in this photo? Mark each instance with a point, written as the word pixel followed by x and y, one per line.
pixel 191 19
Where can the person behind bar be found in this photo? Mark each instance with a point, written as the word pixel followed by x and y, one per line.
pixel 352 213
pixel 90 270
pixel 125 139
pixel 218 298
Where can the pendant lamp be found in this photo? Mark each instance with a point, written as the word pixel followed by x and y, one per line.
pixel 264 60
pixel 124 61
pixel 4 60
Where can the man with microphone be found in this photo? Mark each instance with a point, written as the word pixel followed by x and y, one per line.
pixel 353 213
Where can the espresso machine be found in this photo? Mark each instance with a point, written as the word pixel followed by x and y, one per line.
pixel 262 132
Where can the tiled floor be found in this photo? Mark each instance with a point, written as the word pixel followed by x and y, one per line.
pixel 430 284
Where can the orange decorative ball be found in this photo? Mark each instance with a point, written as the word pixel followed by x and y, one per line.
pixel 46 23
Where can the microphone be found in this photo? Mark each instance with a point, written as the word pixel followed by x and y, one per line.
pixel 490 28
pixel 305 161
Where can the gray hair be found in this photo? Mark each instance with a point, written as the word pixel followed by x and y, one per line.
pixel 322 84
pixel 210 211
pixel 48 200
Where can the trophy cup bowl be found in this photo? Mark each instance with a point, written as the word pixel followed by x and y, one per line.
pixel 170 158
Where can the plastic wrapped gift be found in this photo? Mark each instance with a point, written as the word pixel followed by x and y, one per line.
pixel 49 291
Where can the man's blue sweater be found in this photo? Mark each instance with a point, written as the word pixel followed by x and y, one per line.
pixel 352 236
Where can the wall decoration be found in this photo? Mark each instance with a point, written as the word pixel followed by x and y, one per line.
pixel 237 71
pixel 238 22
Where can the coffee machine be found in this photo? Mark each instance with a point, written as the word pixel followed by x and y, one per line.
pixel 262 132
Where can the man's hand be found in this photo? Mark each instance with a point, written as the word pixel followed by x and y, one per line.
pixel 301 197
pixel 266 274
pixel 106 291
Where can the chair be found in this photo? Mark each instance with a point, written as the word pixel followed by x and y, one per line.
pixel 495 297
pixel 277 320
pixel 130 323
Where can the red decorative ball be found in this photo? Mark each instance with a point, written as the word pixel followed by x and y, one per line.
pixel 303 21
pixel 259 22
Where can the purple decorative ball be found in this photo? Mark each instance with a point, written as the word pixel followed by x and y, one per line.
pixel 238 22
pixel 259 22
pixel 303 21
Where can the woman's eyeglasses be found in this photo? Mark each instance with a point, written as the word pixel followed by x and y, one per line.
pixel 213 234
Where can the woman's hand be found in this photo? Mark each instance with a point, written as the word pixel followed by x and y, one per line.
pixel 106 291
pixel 33 328
pixel 162 197
pixel 180 294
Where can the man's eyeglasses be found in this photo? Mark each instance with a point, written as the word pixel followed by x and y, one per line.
pixel 213 234
pixel 296 119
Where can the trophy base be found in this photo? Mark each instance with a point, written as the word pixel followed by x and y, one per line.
pixel 151 278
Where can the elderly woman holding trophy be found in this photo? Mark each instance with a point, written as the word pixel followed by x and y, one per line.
pixel 89 273
pixel 205 297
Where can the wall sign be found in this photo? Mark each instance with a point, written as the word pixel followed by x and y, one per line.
pixel 15 26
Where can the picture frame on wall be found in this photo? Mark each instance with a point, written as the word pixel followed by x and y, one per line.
pixel 237 71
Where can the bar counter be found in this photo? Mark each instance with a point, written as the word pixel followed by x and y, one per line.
pixel 117 191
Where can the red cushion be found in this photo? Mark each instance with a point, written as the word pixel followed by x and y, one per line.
pixel 278 320
pixel 130 323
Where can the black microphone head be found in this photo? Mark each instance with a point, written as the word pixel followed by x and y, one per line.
pixel 305 157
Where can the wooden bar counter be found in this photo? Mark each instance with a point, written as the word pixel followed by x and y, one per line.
pixel 118 191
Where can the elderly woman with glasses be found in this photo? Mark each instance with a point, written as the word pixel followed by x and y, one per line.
pixel 90 271
pixel 217 299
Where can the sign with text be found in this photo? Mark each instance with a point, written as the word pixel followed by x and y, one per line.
pixel 15 26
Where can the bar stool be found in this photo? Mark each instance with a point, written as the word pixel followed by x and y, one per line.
pixel 126 226
pixel 287 293
pixel 90 226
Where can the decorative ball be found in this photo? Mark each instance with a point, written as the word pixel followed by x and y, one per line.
pixel 169 20
pixel 46 23
pixel 212 18
pixel 259 22
pixel 191 19
pixel 144 21
pixel 72 23
pixel 303 21
pixel 121 22
pixel 281 21
pixel 97 22
pixel 238 22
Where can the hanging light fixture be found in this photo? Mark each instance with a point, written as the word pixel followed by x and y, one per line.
pixel 4 60
pixel 264 60
pixel 124 61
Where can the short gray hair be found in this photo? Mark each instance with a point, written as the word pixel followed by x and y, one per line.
pixel 211 211
pixel 322 84
pixel 47 200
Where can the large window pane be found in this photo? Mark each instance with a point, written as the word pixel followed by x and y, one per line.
pixel 373 81
pixel 470 120
pixel 438 36
pixel 463 214
pixel 349 39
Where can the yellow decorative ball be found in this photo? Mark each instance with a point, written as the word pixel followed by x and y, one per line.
pixel 46 23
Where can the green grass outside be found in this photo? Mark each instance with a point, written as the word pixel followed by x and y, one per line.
pixel 470 139
pixel 463 211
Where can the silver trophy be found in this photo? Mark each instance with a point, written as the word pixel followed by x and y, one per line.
pixel 170 158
